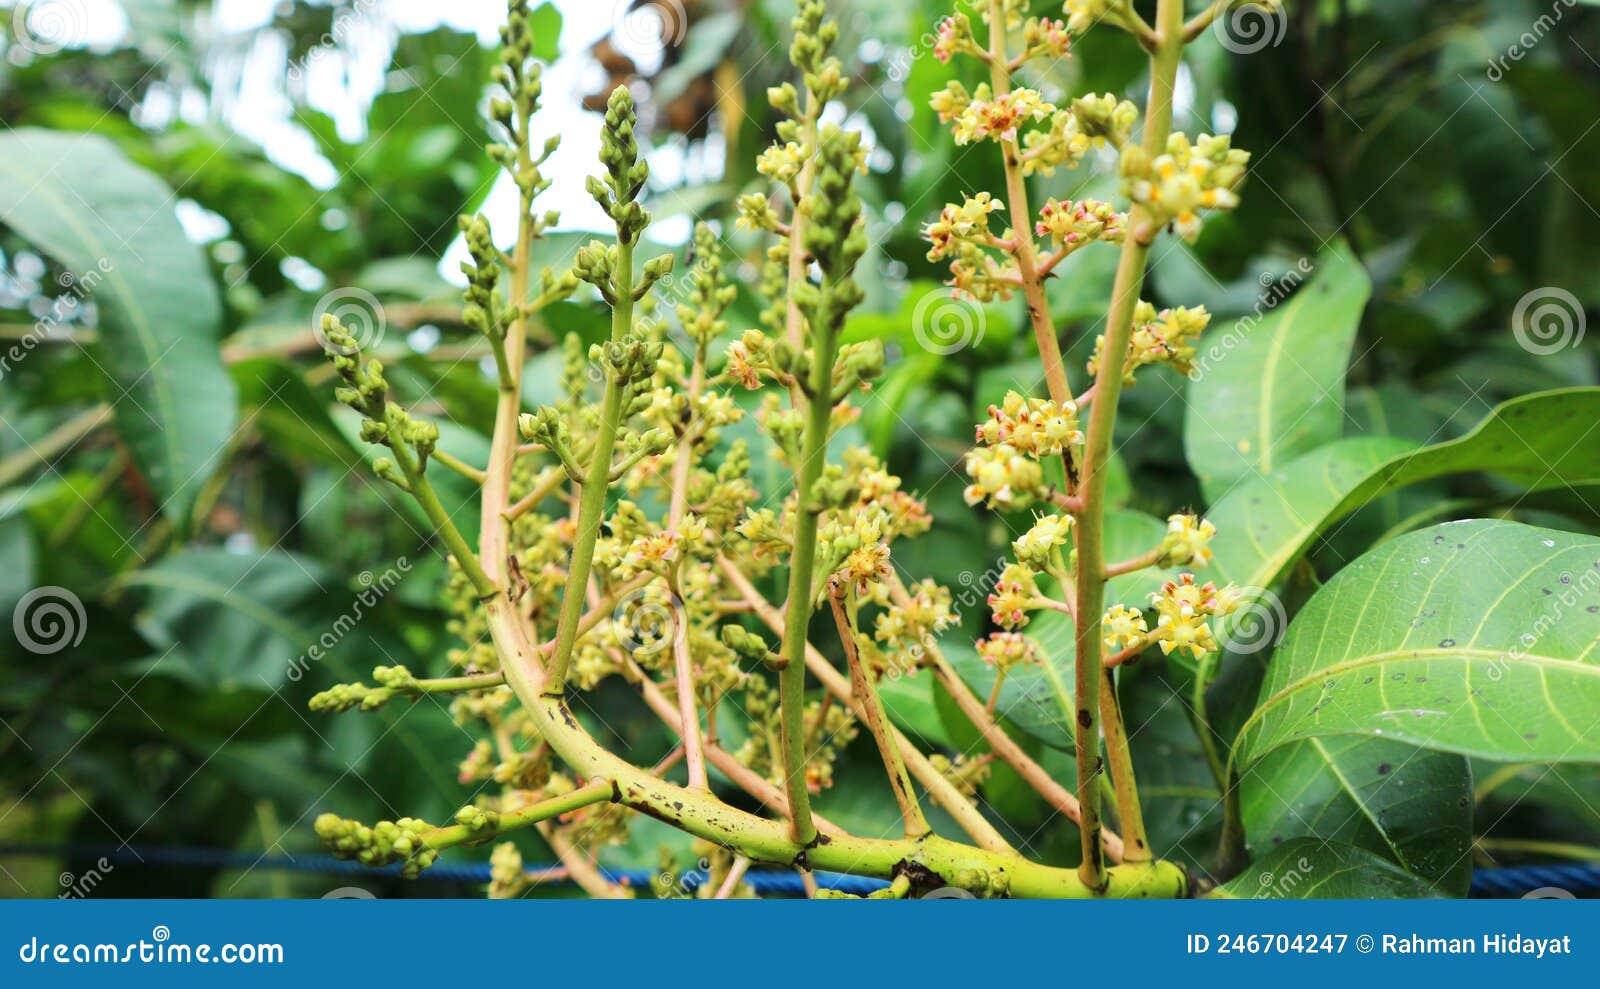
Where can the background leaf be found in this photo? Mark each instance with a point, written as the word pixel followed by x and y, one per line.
pixel 111 224
pixel 1270 388
pixel 1311 869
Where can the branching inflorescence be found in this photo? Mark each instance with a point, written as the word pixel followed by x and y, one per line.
pixel 622 536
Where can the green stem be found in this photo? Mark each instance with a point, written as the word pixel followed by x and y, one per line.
pixel 704 816
pixel 802 566
pixel 459 834
pixel 916 824
pixel 592 502
pixel 54 442
pixel 1202 719
pixel 429 502
pixel 1102 423
pixel 1541 849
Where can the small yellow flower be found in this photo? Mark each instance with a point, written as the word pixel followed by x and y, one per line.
pixel 1189 632
pixel 781 162
pixel 1122 627
pixel 1002 477
pixel 987 117
pixel 866 566
pixel 1035 546
pixel 1188 541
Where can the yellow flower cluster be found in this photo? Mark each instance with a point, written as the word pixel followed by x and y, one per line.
pixel 988 117
pixel 1015 594
pixel 1002 477
pixel 1183 609
pixel 1037 427
pixel 966 223
pixel 781 162
pixel 1176 185
pixel 1042 36
pixel 1036 546
pixel 1188 541
pixel 1165 337
pixel 929 612
pixel 1084 14
pixel 1019 431
pixel 1071 225
pixel 1007 650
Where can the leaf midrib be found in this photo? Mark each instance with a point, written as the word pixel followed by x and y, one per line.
pixel 136 318
pixel 1371 659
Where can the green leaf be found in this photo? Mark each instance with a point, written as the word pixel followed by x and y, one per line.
pixel 908 699
pixel 111 224
pixel 1271 386
pixel 1409 805
pixel 1312 869
pixel 1264 524
pixel 228 619
pixel 1478 637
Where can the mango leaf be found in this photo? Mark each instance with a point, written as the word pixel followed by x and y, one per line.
pixel 1264 524
pixel 1271 387
pixel 1478 637
pixel 111 224
pixel 1312 869
pixel 228 619
pixel 1409 805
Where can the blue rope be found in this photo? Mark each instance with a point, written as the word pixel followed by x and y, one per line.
pixel 764 882
pixel 1509 882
